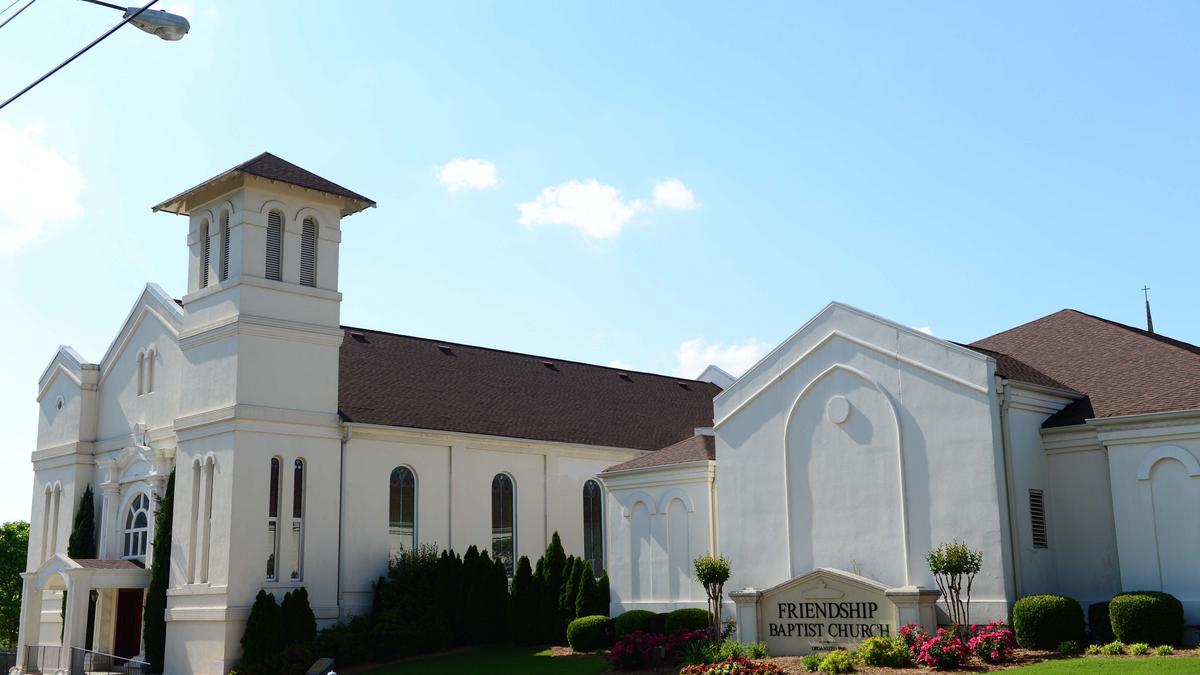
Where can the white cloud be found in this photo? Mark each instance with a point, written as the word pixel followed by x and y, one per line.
pixel 923 329
pixel 467 174
pixel 673 194
pixel 696 354
pixel 37 186
pixel 593 208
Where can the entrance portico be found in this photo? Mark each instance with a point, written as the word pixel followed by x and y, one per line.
pixel 78 578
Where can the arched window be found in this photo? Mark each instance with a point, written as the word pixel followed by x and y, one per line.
pixel 150 354
pixel 46 550
pixel 297 537
pixel 593 526
pixel 205 246
pixel 275 245
pixel 402 511
pixel 224 245
pixel 273 522
pixel 193 551
pixel 206 519
pixel 137 529
pixel 141 373
pixel 308 253
pixel 504 530
pixel 56 503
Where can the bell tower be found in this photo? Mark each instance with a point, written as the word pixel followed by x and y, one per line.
pixel 258 401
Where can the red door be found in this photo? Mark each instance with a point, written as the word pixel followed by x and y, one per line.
pixel 127 641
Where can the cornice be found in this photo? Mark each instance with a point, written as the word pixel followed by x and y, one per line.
pixel 261 326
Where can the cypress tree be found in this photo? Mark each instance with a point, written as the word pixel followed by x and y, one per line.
pixel 603 597
pixel 565 590
pixel 299 621
pixel 524 605
pixel 585 599
pixel 501 627
pixel 154 621
pixel 556 560
pixel 571 590
pixel 82 544
pixel 470 595
pixel 263 639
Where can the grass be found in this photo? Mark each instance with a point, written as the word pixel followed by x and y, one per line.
pixel 1115 665
pixel 498 660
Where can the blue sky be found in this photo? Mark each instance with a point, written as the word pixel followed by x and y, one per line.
pixel 964 167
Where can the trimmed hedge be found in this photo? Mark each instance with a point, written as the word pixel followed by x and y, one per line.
pixel 1146 616
pixel 588 633
pixel 1043 621
pixel 690 618
pixel 1099 627
pixel 633 621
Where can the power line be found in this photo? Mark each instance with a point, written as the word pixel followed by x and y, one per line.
pixel 10 6
pixel 77 54
pixel 2 25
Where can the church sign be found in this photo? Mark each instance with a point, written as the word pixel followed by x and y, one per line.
pixel 820 611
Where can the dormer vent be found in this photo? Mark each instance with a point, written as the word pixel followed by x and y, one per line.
pixel 445 349
pixel 625 376
pixel 684 385
pixel 550 365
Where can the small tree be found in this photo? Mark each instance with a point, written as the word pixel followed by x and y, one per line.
pixel 299 621
pixel 14 542
pixel 585 598
pixel 950 565
pixel 603 595
pixel 524 605
pixel 154 620
pixel 712 573
pixel 263 639
pixel 82 544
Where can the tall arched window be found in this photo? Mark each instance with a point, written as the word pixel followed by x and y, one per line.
pixel 141 373
pixel 137 529
pixel 206 519
pixel 297 537
pixel 275 245
pixel 205 246
pixel 402 511
pixel 193 551
pixel 593 526
pixel 504 529
pixel 46 550
pixel 273 522
pixel 224 245
pixel 308 252
pixel 150 354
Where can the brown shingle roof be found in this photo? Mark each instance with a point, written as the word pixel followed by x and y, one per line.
pixel 1121 369
pixel 96 564
pixel 692 449
pixel 403 381
pixel 1015 369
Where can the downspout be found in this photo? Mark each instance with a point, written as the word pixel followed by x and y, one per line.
pixel 1014 539
pixel 713 544
pixel 341 513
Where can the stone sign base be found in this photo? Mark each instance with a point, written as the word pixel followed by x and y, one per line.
pixel 828 609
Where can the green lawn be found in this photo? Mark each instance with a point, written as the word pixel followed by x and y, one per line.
pixel 1115 665
pixel 499 660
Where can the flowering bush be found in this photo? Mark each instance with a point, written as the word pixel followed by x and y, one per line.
pixel 942 651
pixel 733 666
pixel 993 643
pixel 636 650
pixel 913 636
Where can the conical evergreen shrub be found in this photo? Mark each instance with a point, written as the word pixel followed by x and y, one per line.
pixel 154 616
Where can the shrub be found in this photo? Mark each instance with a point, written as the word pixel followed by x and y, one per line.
pixel 692 618
pixel 884 651
pixel 942 651
pixel 299 624
pixel 154 621
pixel 758 650
pixel 993 643
pixel 588 633
pixel 1163 650
pixel 1139 649
pixel 603 597
pixel 812 662
pixel 585 597
pixel 523 603
pixel 732 649
pixel 1099 626
pixel 1114 648
pixel 633 621
pixel 701 652
pixel 913 636
pixel 1067 648
pixel 1146 616
pixel 712 573
pixel 837 661
pixel 636 650
pixel 1043 621
pixel 263 639
pixel 1092 650
pixel 733 667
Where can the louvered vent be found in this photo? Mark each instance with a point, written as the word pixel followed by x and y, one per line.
pixel 224 246
pixel 1037 518
pixel 275 246
pixel 205 245
pixel 308 253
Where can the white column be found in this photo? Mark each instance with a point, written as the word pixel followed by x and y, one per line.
pixel 79 589
pixel 31 616
pixel 110 501
pixel 915 604
pixel 746 614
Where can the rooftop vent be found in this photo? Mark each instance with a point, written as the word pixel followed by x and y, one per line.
pixel 550 365
pixel 359 336
pixel 445 349
pixel 684 385
pixel 625 376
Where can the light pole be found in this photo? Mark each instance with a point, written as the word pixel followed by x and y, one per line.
pixel 163 24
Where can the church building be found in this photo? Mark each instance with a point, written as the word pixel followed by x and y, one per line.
pixel 309 453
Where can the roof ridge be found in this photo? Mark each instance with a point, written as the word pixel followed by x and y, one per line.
pixel 1167 340
pixel 529 355
pixel 1022 325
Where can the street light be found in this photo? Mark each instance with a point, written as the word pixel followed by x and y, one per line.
pixel 165 25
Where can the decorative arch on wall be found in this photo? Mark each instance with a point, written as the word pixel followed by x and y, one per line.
pixel 635 498
pixel 1175 452
pixel 403 484
pixel 664 502
pixel 895 414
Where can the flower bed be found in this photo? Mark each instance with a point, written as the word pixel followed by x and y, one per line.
pixel 734 666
